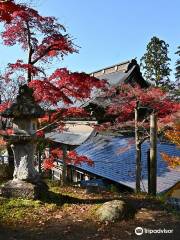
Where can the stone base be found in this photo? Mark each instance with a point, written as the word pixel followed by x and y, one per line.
pixel 22 189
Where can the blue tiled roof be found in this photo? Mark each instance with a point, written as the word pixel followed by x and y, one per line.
pixel 114 159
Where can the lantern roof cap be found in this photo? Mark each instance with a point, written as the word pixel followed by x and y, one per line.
pixel 25 105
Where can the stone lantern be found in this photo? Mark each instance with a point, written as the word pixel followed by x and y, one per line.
pixel 26 180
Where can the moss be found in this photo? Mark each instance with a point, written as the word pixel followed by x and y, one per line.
pixel 53 183
pixel 12 210
pixel 23 203
pixel 92 211
pixel 66 205
pixel 51 207
pixel 55 189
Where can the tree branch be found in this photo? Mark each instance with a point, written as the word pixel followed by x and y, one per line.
pixel 48 49
pixel 30 50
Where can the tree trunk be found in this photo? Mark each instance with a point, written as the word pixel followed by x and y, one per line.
pixel 64 170
pixel 138 152
pixel 153 155
pixel 39 161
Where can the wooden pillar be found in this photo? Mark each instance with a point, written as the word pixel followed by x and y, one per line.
pixel 64 170
pixel 148 169
pixel 138 151
pixel 153 154
pixel 10 158
pixel 39 161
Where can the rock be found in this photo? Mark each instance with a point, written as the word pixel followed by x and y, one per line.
pixel 22 189
pixel 114 210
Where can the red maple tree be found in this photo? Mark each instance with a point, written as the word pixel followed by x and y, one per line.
pixel 43 39
pixel 130 110
pixel 124 99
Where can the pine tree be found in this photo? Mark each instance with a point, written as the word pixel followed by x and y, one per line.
pixel 155 62
pixel 177 74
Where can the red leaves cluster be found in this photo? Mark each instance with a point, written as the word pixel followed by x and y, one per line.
pixel 48 163
pixel 15 16
pixel 20 66
pixel 40 134
pixel 123 103
pixel 23 25
pixel 7 132
pixel 4 106
pixel 7 8
pixel 71 158
pixel 61 114
pixel 75 112
pixel 52 45
pixel 76 159
pixel 57 153
pixel 64 86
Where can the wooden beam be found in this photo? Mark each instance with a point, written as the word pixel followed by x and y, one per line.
pixel 64 170
pixel 138 151
pixel 153 155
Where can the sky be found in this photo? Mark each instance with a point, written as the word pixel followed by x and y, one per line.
pixel 110 31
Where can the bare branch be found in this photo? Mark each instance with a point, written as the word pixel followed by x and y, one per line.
pixel 47 50
pixel 30 50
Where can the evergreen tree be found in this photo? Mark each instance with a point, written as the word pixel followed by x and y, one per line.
pixel 177 74
pixel 155 62
pixel 176 84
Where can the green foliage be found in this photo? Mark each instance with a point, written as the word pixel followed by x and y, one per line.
pixel 155 62
pixel 177 74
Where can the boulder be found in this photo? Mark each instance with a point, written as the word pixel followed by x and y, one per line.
pixel 114 210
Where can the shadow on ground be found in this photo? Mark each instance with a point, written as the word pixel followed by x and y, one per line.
pixel 60 199
pixel 65 230
pixel 69 230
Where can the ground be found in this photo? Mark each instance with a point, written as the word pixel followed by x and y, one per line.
pixel 69 214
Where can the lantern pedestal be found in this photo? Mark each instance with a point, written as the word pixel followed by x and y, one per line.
pixel 23 189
